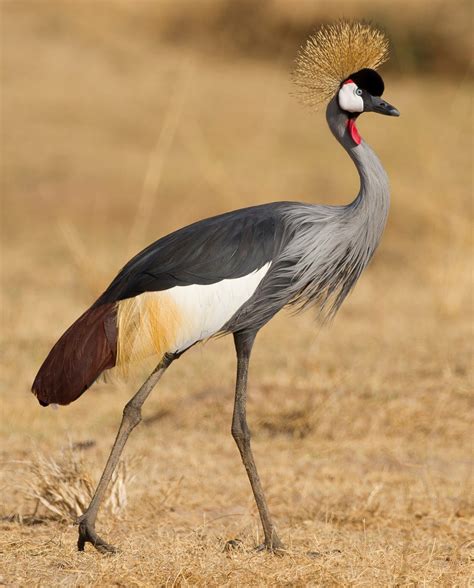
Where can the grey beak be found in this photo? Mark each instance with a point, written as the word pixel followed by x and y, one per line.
pixel 382 107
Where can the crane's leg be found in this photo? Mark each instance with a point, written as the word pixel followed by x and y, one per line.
pixel 240 432
pixel 131 418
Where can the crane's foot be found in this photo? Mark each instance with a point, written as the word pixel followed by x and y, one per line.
pixel 87 534
pixel 275 546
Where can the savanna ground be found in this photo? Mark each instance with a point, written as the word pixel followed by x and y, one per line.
pixel 118 127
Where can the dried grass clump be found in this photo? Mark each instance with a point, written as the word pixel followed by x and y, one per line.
pixel 65 488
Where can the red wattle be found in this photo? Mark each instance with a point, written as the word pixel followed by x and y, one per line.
pixel 351 125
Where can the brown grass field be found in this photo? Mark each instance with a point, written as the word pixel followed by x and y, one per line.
pixel 114 133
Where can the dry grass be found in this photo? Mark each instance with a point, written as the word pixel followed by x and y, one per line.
pixel 63 487
pixel 362 432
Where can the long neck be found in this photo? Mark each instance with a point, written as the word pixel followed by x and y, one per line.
pixel 371 205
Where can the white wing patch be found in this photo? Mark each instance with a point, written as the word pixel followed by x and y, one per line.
pixel 349 100
pixel 204 310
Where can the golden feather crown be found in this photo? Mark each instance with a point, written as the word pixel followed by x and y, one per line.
pixel 332 54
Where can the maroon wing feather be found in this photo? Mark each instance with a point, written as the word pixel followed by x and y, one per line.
pixel 83 352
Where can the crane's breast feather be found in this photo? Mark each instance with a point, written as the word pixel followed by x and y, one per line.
pixel 170 321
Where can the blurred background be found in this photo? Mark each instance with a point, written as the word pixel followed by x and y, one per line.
pixel 124 120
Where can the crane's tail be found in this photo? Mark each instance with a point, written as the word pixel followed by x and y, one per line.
pixel 83 352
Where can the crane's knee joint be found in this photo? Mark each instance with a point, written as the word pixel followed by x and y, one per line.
pixel 133 414
pixel 240 435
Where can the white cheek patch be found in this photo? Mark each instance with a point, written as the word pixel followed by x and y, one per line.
pixel 349 100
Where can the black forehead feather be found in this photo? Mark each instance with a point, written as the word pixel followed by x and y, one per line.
pixel 368 79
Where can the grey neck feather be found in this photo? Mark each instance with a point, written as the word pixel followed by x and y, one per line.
pixel 372 202
pixel 325 248
pixel 333 244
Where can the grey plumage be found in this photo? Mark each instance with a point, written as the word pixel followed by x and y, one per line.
pixel 324 249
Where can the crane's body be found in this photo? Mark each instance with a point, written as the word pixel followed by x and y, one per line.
pixel 227 274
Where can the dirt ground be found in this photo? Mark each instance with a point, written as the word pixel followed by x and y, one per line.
pixel 362 430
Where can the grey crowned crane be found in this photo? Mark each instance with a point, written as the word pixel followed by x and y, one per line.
pixel 233 272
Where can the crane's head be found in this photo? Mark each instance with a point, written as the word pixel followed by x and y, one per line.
pixel 361 92
pixel 339 61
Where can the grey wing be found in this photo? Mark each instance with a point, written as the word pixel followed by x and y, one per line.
pixel 231 245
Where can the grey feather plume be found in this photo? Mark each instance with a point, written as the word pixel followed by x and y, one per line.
pixel 325 248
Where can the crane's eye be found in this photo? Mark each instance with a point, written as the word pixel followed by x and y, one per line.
pixel 358 92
